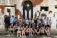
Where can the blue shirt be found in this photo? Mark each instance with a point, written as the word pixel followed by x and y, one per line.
pixel 11 19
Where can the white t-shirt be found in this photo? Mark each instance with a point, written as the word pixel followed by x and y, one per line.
pixel 45 21
pixel 27 21
pixel 53 23
pixel 50 16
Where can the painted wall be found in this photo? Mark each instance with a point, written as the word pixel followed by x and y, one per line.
pixel 2 2
pixel 49 3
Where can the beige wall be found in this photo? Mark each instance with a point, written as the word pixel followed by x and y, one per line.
pixel 2 2
pixel 50 3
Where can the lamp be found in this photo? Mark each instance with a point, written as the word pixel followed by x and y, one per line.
pixel 28 5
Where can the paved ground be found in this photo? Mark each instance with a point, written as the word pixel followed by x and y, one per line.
pixel 3 36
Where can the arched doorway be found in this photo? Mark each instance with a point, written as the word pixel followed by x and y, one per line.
pixel 27 7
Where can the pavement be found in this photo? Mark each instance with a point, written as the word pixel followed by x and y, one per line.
pixel 26 37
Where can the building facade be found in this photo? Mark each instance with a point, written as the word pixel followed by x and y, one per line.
pixel 8 7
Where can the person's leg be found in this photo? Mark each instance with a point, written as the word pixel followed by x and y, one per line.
pixel 6 25
pixel 48 32
pixel 23 33
pixel 18 33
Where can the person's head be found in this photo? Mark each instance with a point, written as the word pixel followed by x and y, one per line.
pixel 23 26
pixel 12 16
pixel 42 28
pixel 45 18
pixel 26 26
pixel 15 17
pixel 37 26
pixel 11 24
pixel 50 12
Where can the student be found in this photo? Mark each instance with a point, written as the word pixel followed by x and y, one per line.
pixel 11 28
pixel 37 28
pixel 45 22
pixel 35 21
pixel 15 27
pixel 34 31
pixel 27 31
pixel 19 31
pixel 47 31
pixel 27 22
pixel 11 20
pixel 30 31
pixel 7 22
pixel 20 21
pixel 23 31
pixel 41 31
pixel 24 22
pixel 32 22
pixel 15 21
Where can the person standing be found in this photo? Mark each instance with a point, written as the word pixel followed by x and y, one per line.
pixel 7 21
pixel 27 22
pixel 15 21
pixel 11 20
pixel 53 20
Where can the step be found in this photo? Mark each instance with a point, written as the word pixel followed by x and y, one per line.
pixel 53 32
pixel 2 27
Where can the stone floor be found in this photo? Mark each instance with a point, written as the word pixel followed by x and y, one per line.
pixel 9 36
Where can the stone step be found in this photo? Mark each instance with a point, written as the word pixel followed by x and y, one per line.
pixel 53 32
pixel 2 27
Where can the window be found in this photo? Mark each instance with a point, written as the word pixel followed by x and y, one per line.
pixel 44 8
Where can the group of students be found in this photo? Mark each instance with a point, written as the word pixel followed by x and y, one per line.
pixel 29 27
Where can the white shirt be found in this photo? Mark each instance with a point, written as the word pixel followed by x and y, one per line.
pixel 45 21
pixel 50 16
pixel 53 23
pixel 27 21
